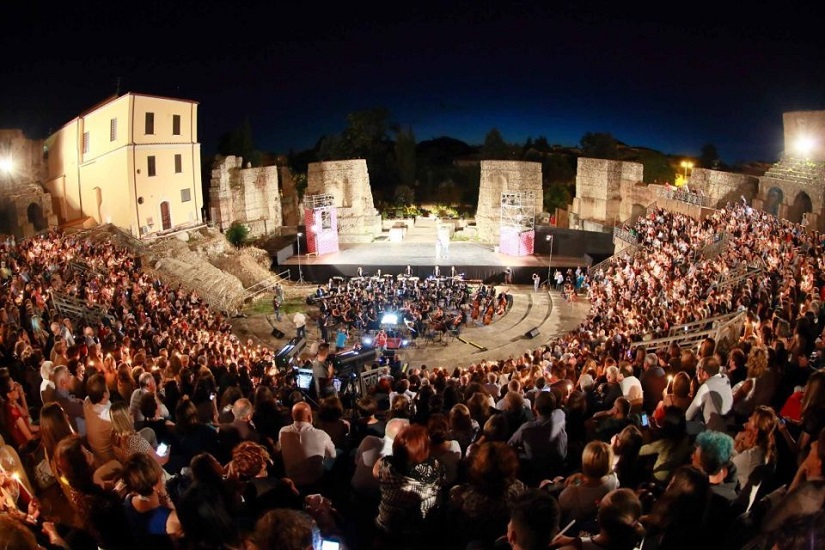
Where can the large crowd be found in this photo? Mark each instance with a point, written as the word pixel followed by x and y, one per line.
pixel 153 426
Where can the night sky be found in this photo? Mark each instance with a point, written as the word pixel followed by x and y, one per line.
pixel 648 75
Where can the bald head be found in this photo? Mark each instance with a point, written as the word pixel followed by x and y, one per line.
pixel 301 412
pixel 395 425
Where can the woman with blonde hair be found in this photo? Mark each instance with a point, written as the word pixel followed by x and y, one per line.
pixel 755 445
pixel 578 500
pixel 758 387
pixel 126 441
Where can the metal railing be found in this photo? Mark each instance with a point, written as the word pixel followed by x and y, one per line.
pixel 629 251
pixel 687 197
pixel 626 235
pixel 724 329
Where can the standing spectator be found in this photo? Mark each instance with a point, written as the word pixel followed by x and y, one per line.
pixel 276 307
pixel 536 282
pixel 300 321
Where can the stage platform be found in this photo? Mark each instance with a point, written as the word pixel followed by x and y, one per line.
pixel 472 260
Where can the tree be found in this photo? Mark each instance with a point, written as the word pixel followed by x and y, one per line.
pixel 556 168
pixel 600 146
pixel 709 157
pixel 237 233
pixel 239 142
pixel 404 195
pixel 495 148
pixel 556 195
pixel 405 156
pixel 657 167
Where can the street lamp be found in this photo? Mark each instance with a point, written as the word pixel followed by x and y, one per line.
pixel 298 241
pixel 687 165
pixel 549 239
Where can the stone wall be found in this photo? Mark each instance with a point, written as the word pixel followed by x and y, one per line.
pixel 348 181
pixel 723 187
pixel 289 198
pixel 25 208
pixel 602 187
pixel 247 195
pixel 504 176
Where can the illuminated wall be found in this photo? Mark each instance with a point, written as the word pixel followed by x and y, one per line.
pixel 133 161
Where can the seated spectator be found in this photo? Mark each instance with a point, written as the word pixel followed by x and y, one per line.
pixel 47 389
pixel 372 448
pixel 582 491
pixel 712 456
pixel 714 398
pixel 368 423
pixel 240 429
pixel 71 404
pixel 446 451
pixel 755 445
pixel 24 433
pixel 619 527
pixel 331 420
pixel 193 436
pixel 463 428
pixel 513 409
pixel 605 424
pixel 96 409
pixel 610 390
pixel 126 441
pixel 759 386
pixel 654 381
pixel 285 530
pixel 260 491
pixel 304 448
pixel 631 386
pixel 671 447
pixel 542 443
pixel 163 428
pixel 149 509
pixel 146 385
pixel 677 394
pixel 626 445
pixel 534 521
pixel 686 496
pixel 806 493
pixel 410 482
pixel 481 507
pixel 101 511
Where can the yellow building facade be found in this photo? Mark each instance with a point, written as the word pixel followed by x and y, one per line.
pixel 133 161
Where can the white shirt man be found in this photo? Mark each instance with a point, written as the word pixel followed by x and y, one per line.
pixel 631 386
pixel 714 396
pixel 304 447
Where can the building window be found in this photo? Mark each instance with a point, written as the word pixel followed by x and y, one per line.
pixel 85 142
pixel 150 123
pixel 113 129
pixel 185 195
pixel 150 166
pixel 175 125
pixel 178 164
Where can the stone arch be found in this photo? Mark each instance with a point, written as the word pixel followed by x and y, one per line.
pixel 801 205
pixel 34 213
pixel 774 200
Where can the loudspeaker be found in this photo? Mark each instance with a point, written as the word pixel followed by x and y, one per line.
pixel 277 333
pixel 532 333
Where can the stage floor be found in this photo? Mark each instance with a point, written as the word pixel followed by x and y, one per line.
pixel 471 260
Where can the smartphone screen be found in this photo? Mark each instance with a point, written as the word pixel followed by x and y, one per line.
pixel 163 448
pixel 645 420
pixel 330 545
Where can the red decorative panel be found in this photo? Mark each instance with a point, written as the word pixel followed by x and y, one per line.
pixel 514 243
pixel 322 234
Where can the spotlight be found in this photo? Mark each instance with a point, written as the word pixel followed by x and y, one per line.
pixel 366 340
pixel 405 343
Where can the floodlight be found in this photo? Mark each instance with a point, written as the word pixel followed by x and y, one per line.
pixel 6 165
pixel 389 319
pixel 804 145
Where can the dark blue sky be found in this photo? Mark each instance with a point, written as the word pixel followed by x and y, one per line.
pixel 649 76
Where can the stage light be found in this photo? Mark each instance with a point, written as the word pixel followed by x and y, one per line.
pixel 405 343
pixel 366 340
pixel 6 165
pixel 389 319
pixel 804 145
